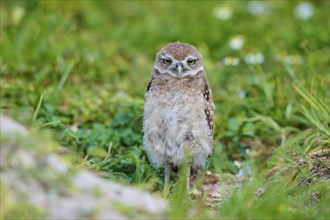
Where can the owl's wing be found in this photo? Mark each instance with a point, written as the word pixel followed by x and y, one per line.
pixel 150 84
pixel 209 107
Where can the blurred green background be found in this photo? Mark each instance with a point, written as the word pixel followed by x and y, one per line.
pixel 80 69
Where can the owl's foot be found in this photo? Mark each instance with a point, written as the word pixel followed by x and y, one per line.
pixel 195 176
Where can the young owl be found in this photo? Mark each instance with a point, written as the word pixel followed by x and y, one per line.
pixel 179 111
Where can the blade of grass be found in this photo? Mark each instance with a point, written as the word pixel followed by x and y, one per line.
pixel 315 121
pixel 137 169
pixel 36 111
pixel 310 99
pixel 265 119
pixel 53 123
pixel 166 191
pixel 65 76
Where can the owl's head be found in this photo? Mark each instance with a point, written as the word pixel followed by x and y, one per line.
pixel 179 60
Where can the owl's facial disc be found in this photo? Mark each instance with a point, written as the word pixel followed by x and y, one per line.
pixel 189 66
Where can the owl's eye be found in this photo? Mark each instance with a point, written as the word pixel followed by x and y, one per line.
pixel 191 61
pixel 167 61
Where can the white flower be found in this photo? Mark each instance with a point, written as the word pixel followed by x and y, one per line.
pixel 242 94
pixel 236 42
pixel 254 58
pixel 244 169
pixel 230 61
pixel 238 164
pixel 257 7
pixel 304 10
pixel 223 13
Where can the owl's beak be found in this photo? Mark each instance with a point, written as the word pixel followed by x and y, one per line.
pixel 179 68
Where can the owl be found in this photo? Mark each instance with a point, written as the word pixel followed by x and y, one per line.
pixel 178 119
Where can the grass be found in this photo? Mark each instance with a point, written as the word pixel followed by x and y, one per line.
pixel 81 70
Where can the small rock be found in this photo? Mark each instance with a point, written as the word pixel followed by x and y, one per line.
pixel 8 125
pixel 47 184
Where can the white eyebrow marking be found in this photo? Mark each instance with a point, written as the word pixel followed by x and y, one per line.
pixel 191 57
pixel 167 56
pixel 173 59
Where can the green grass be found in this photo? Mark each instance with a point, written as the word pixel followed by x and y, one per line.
pixel 81 70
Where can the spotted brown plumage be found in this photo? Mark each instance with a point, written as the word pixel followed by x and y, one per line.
pixel 209 107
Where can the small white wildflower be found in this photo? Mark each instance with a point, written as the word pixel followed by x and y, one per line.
pixel 244 170
pixel 304 10
pixel 238 164
pixel 257 7
pixel 230 61
pixel 237 42
pixel 242 94
pixel 223 13
pixel 254 58
pixel 74 127
pixel 17 13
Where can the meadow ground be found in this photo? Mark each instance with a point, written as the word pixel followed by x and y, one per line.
pixel 80 69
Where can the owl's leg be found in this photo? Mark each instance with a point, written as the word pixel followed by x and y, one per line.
pixel 167 174
pixel 194 175
pixel 188 179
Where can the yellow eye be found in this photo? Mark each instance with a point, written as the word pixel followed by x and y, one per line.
pixel 191 61
pixel 167 61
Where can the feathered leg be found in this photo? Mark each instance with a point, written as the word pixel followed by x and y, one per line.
pixel 188 179
pixel 167 174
